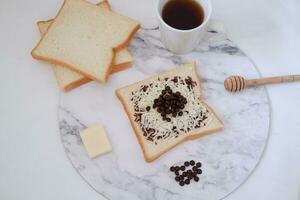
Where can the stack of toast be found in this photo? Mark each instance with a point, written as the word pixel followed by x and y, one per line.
pixel 85 42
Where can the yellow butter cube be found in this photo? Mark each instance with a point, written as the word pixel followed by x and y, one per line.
pixel 95 141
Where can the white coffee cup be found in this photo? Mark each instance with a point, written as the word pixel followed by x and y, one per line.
pixel 182 41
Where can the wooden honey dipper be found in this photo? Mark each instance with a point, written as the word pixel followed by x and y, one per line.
pixel 238 83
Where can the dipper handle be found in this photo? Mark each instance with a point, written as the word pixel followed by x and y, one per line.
pixel 238 83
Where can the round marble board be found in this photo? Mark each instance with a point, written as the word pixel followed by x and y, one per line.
pixel 228 157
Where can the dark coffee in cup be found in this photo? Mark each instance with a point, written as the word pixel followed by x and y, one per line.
pixel 183 14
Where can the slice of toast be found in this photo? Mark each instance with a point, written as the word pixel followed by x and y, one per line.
pixel 68 79
pixel 84 37
pixel 155 134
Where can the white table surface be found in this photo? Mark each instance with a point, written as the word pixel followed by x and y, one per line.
pixel 33 164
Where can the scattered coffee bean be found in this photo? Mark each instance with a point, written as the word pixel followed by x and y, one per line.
pixel 177 168
pixel 181 183
pixel 199 171
pixel 180 113
pixel 196 178
pixel 186 163
pixel 195 168
pixel 181 177
pixel 182 167
pixel 177 173
pixel 148 108
pixel 177 178
pixel 192 162
pixel 187 181
pixel 172 169
pixel 198 164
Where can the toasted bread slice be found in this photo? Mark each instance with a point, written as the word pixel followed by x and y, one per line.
pixel 68 79
pixel 84 37
pixel 155 135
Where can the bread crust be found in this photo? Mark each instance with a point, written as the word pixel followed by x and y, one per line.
pixel 104 2
pixel 151 158
pixel 83 80
pixel 77 69
pixel 76 84
pixel 121 67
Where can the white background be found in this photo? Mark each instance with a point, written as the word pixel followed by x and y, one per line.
pixel 33 164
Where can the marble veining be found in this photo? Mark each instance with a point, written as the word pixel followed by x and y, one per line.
pixel 228 156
